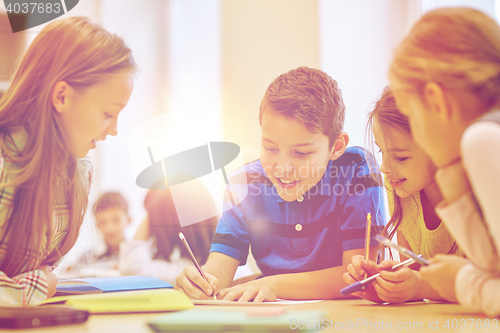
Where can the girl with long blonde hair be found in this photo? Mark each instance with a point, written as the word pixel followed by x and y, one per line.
pixel 445 76
pixel 65 96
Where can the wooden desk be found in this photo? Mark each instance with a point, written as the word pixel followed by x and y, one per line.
pixel 344 315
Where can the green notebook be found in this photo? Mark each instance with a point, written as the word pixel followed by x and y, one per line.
pixel 238 321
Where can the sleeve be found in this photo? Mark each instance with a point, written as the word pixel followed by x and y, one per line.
pixel 136 258
pixel 364 196
pixel 27 289
pixel 478 289
pixel 473 219
pixel 232 237
pixel 463 219
pixel 481 151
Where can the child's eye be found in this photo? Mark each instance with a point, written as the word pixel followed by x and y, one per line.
pixel 108 115
pixel 269 149
pixel 302 154
pixel 401 159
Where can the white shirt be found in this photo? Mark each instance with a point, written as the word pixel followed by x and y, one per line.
pixel 474 218
pixel 136 258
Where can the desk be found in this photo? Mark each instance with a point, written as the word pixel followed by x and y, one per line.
pixel 346 313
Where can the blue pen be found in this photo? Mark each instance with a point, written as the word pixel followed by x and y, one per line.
pixel 361 284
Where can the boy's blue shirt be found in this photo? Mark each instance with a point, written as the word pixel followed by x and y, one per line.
pixel 292 237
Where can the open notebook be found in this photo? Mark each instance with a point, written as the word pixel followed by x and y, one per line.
pixel 108 284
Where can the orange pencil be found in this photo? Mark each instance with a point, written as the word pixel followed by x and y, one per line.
pixel 367 237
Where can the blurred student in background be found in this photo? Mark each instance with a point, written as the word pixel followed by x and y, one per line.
pixel 156 249
pixel 112 218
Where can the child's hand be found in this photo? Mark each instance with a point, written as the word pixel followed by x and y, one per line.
pixel 258 290
pixel 398 286
pixel 356 271
pixel 441 274
pixel 194 285
pixel 51 279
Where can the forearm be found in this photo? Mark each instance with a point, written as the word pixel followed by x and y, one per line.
pixel 425 290
pixel 322 284
pixel 217 265
pixel 464 221
pixel 478 290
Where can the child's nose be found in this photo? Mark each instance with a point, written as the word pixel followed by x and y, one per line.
pixel 285 165
pixel 113 130
pixel 385 167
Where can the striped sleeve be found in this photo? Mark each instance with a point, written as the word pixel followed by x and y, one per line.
pixel 27 289
pixel 232 237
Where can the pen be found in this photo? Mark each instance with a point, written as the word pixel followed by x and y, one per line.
pixel 361 284
pixel 402 250
pixel 367 237
pixel 195 262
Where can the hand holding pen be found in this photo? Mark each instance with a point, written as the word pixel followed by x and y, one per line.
pixel 195 262
pixel 361 284
pixel 393 284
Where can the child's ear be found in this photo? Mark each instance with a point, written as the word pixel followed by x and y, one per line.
pixel 339 146
pixel 436 102
pixel 59 96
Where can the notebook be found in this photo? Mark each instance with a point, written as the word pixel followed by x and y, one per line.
pixel 238 321
pixel 108 284
pixel 136 301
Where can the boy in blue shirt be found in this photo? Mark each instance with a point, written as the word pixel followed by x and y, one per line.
pixel 308 198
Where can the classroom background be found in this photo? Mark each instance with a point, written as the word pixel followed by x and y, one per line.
pixel 213 59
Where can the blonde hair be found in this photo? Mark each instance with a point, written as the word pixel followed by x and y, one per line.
pixel 81 53
pixel 458 48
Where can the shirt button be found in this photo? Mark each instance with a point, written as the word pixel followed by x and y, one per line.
pixel 298 227
pixel 301 198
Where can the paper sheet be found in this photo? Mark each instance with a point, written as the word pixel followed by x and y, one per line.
pixel 279 302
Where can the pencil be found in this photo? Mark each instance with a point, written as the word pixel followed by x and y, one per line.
pixel 367 237
pixel 195 262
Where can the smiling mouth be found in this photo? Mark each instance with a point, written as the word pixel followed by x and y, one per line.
pixel 286 182
pixel 397 182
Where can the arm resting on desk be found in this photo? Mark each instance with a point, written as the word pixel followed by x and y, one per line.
pixel 321 284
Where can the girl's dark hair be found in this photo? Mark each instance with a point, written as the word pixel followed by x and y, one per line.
pixel 164 224
pixel 388 114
